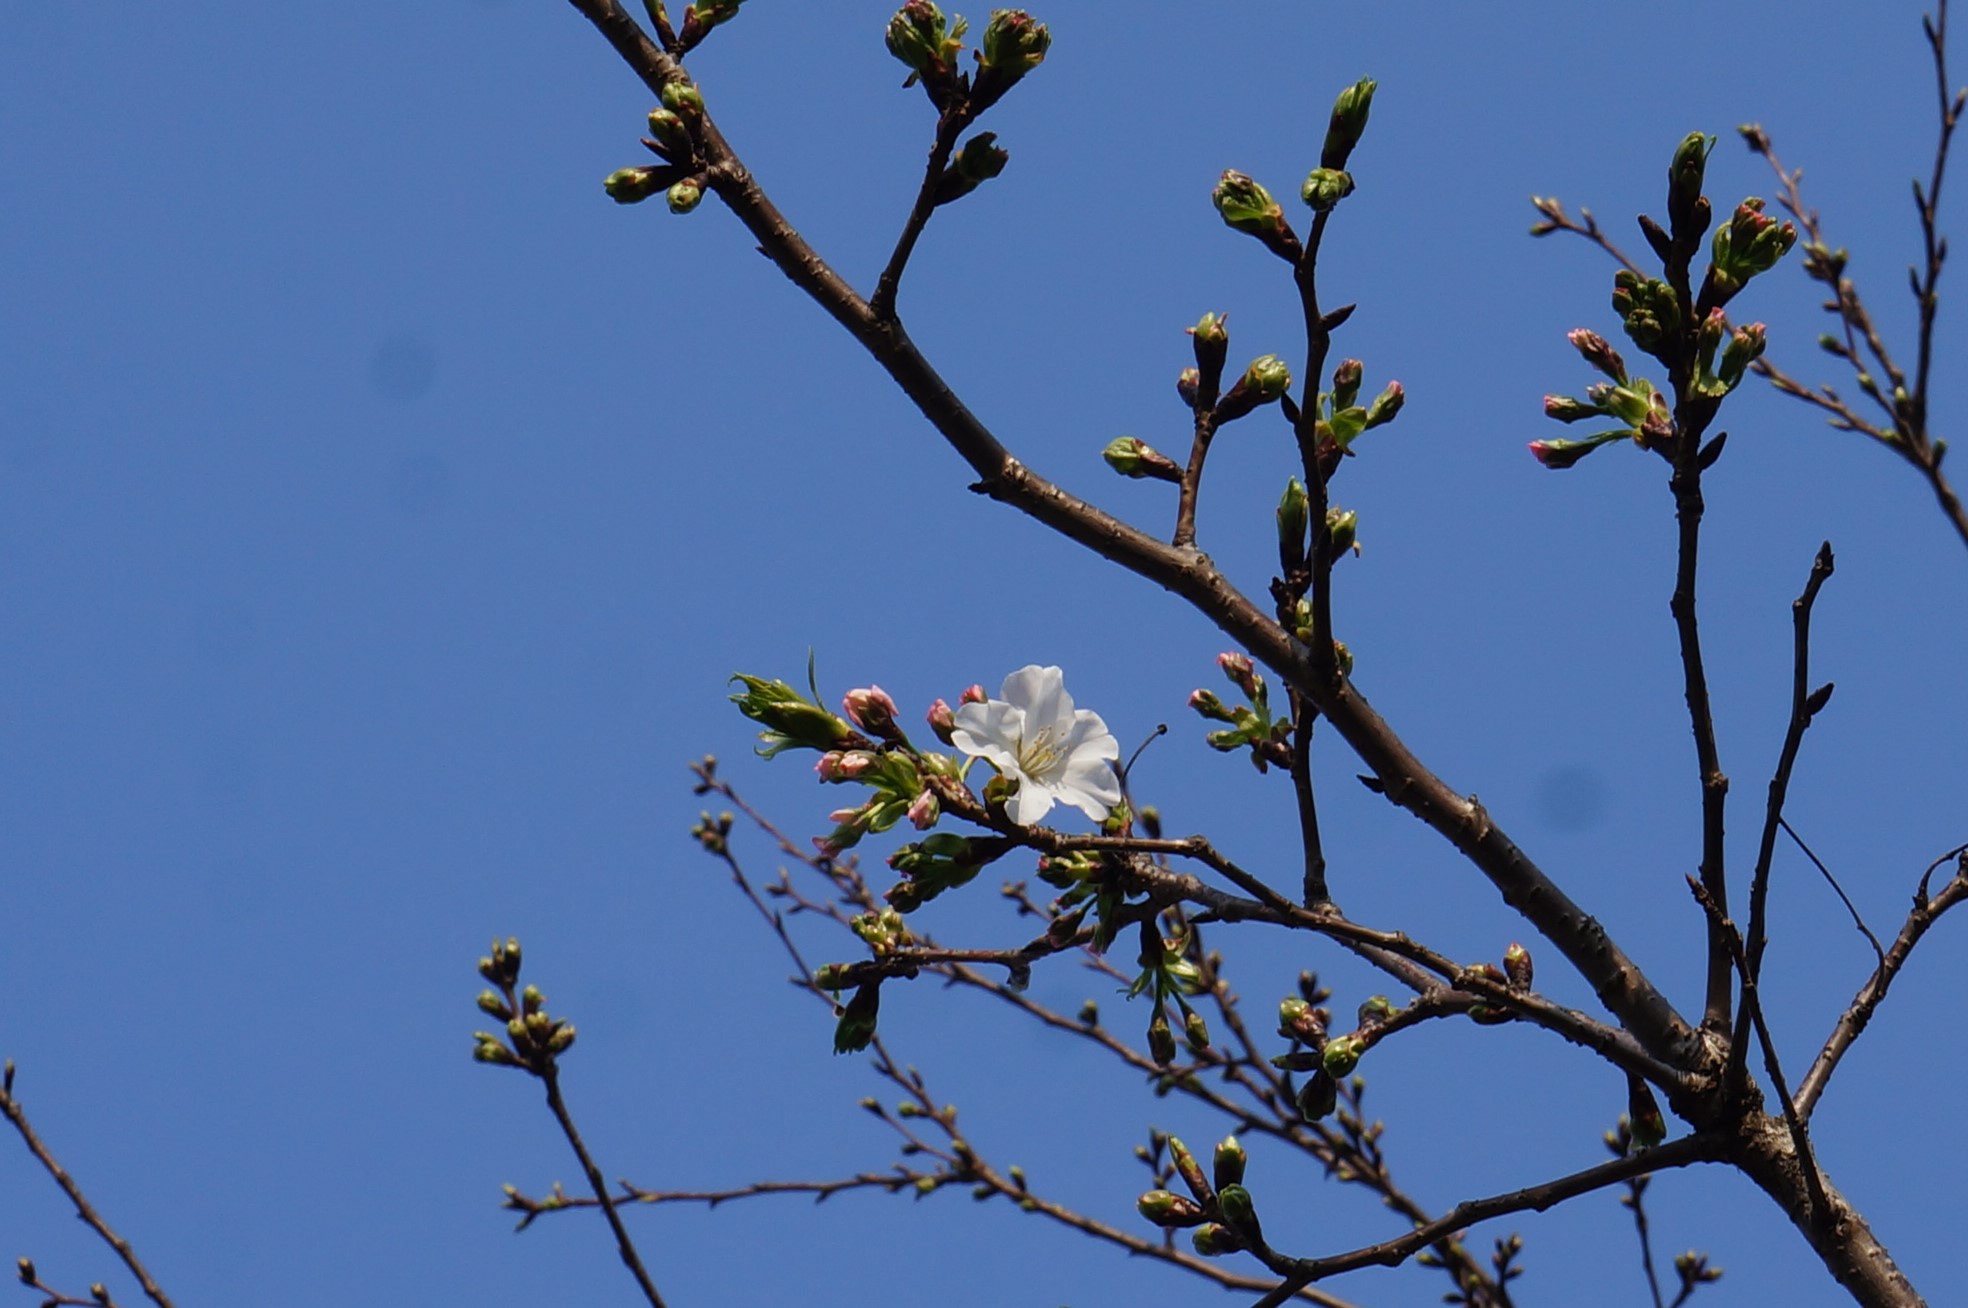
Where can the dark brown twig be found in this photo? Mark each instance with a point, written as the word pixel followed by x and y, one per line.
pixel 1557 220
pixel 1391 1253
pixel 1314 893
pixel 625 1246
pixel 17 1115
pixel 1804 705
pixel 950 125
pixel 1852 1022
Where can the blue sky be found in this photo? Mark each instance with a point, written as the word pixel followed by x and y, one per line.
pixel 384 510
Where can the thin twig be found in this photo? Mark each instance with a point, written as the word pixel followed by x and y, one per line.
pixel 1801 712
pixel 624 1244
pixel 17 1115
pixel 1851 1023
pixel 1804 705
pixel 1557 220
pixel 1314 894
pixel 1837 889
pixel 1636 1190
pixel 1391 1253
pixel 1904 406
pixel 949 126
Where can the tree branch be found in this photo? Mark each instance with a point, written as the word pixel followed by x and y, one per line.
pixel 1391 1253
pixel 1615 978
pixel 15 1114
pixel 1851 1023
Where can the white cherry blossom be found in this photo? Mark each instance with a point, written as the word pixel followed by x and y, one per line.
pixel 1034 736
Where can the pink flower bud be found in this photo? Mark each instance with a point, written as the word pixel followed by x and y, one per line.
pixel 942 720
pixel 973 695
pixel 843 765
pixel 871 710
pixel 924 811
pixel 1237 666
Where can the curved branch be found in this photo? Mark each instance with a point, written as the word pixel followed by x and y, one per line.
pixel 1852 1022
pixel 1391 1253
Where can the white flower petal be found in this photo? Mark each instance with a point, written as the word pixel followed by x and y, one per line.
pixel 1041 692
pixel 1029 803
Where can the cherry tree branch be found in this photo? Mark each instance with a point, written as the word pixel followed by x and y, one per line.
pixel 11 1108
pixel 1851 1023
pixel 1536 1198
pixel 1616 979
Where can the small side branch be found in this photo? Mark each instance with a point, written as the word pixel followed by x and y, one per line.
pixel 1852 1022
pixel 949 126
pixel 1804 705
pixel 15 1114
pixel 1555 219
pixel 1538 1198
pixel 1315 894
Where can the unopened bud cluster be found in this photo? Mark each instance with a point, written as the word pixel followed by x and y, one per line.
pixel 1247 726
pixel 532 1039
pixel 1218 1211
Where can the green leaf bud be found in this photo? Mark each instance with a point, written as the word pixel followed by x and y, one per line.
pixel 1169 1210
pixel 923 39
pixel 1263 382
pixel 1292 514
pixel 1386 406
pixel 684 196
pixel 791 720
pixel 1342 1054
pixel 1684 184
pixel 1190 1171
pixel 1324 188
pixel 1376 1010
pixel 1212 344
pixel 979 161
pixel 1014 43
pixel 683 98
pixel 1195 1031
pixel 1344 527
pixel 632 185
pixel 1745 347
pixel 1161 1040
pixel 1132 457
pixel 1517 966
pixel 1240 1212
pixel 667 129
pixel 1249 208
pixel 1214 1240
pixel 1348 123
pixel 1229 1162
